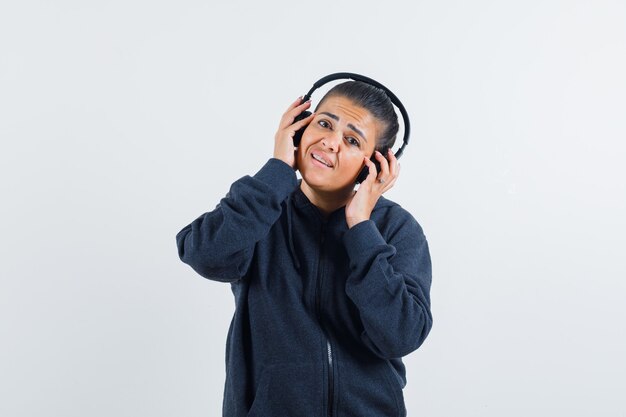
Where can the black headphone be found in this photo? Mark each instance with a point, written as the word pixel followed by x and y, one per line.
pixel 356 77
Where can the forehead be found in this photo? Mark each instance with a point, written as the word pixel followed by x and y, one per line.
pixel 350 112
pixel 347 107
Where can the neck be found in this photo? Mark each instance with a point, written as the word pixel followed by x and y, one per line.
pixel 327 201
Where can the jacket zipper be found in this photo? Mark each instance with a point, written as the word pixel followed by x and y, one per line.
pixel 319 317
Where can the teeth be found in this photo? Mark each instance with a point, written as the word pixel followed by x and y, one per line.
pixel 321 160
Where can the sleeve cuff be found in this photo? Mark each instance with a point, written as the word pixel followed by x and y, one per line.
pixel 362 237
pixel 279 176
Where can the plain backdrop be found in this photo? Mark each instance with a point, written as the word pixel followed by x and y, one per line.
pixel 122 121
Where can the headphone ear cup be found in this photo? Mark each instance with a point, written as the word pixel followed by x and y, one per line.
pixel 297 137
pixel 362 175
pixel 365 171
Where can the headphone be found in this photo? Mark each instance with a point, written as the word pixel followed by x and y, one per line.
pixel 356 77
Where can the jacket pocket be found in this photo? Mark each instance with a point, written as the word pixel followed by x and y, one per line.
pixel 369 389
pixel 289 390
pixel 396 384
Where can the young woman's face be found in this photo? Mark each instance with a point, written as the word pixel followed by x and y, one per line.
pixel 341 134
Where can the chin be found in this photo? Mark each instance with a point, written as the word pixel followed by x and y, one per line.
pixel 325 183
pixel 323 180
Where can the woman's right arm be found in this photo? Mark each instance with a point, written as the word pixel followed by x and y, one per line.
pixel 219 245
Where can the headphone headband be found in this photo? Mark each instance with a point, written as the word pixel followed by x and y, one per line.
pixel 367 80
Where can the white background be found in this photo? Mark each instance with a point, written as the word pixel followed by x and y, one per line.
pixel 122 121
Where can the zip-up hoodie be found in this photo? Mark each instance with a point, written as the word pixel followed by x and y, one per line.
pixel 324 313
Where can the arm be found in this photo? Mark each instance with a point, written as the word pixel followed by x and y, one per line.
pixel 219 244
pixel 390 285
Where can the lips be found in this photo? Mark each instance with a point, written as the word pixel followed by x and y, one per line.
pixel 321 158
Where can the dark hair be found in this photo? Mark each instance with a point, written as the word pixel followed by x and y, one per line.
pixel 376 101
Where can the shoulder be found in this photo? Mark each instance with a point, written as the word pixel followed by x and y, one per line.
pixel 394 221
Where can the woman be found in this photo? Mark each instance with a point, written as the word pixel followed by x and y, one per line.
pixel 331 285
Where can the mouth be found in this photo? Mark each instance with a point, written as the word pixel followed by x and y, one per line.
pixel 321 160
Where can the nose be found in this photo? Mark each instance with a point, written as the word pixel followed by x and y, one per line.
pixel 331 141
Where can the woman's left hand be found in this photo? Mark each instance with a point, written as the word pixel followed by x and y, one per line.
pixel 360 206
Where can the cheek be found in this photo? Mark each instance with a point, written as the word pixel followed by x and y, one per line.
pixel 353 161
pixel 307 138
pixel 300 153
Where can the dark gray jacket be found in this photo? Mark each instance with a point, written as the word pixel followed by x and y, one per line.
pixel 324 313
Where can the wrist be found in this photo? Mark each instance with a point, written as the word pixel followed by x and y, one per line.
pixel 353 221
pixel 285 160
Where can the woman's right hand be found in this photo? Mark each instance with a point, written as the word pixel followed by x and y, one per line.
pixel 284 148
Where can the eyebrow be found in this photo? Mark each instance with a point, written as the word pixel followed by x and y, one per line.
pixel 350 125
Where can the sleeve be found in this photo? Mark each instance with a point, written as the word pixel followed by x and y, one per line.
pixel 389 283
pixel 219 245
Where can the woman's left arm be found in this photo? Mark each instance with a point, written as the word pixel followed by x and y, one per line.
pixel 389 283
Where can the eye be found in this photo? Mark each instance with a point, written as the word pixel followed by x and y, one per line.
pixel 324 123
pixel 353 141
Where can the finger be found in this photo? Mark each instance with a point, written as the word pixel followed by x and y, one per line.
pixel 384 166
pixel 371 175
pixel 301 123
pixel 299 108
pixel 291 114
pixel 294 104
pixel 394 165
pixel 388 185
